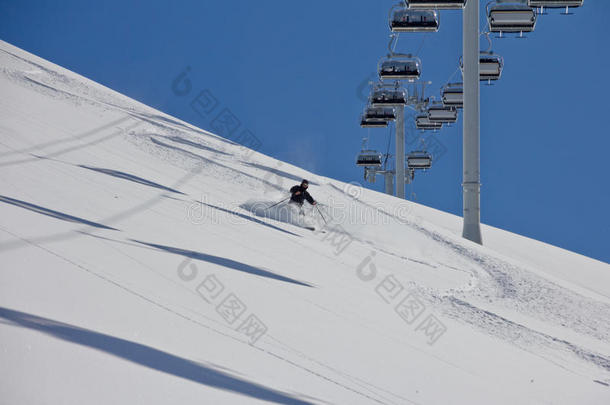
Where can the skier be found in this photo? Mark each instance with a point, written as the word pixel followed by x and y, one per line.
pixel 299 194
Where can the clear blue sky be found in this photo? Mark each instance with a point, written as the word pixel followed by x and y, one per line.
pixel 291 71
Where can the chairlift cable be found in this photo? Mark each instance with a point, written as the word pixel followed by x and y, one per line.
pixel 421 45
pixel 452 75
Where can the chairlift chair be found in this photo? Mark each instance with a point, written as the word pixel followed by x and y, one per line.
pixel 403 19
pixel 438 4
pixel 396 68
pixel 384 113
pixel 419 160
pixel 422 122
pixel 369 158
pixel 555 3
pixel 515 17
pixel 542 4
pixel 437 112
pixel 372 122
pixel 452 94
pixel 388 97
pixel 490 66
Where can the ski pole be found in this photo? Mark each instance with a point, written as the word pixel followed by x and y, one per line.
pixel 277 203
pixel 320 212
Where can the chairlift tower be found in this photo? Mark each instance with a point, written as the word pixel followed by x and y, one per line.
pixel 399 158
pixel 399 66
pixel 389 182
pixel 416 101
pixel 471 183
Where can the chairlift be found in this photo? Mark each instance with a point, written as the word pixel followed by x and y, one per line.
pixel 406 67
pixel 542 4
pixel 515 17
pixel 490 66
pixel 377 117
pixel 383 96
pixel 438 4
pixel 369 158
pixel 384 113
pixel 372 122
pixel 419 160
pixel 403 19
pixel 423 123
pixel 452 94
pixel 438 112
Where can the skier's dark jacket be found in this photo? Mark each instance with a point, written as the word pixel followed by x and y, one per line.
pixel 304 195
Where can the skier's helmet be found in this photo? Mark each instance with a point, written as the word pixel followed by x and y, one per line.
pixel 305 183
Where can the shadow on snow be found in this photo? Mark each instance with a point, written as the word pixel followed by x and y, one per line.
pixel 130 177
pixel 223 261
pixel 148 357
pixel 52 213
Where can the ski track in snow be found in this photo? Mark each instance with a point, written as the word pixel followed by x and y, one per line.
pixel 517 289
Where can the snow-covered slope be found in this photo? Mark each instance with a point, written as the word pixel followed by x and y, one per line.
pixel 139 265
